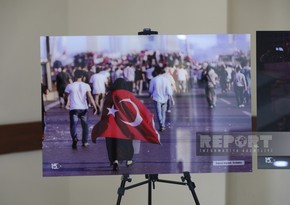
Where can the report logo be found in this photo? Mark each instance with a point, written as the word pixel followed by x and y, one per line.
pixel 232 144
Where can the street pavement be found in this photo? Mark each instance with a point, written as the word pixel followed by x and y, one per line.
pixel 176 154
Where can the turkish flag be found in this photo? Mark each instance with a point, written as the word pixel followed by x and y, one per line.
pixel 126 117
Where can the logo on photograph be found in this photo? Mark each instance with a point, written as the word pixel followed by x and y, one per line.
pixel 232 144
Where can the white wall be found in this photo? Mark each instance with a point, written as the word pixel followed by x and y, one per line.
pixel 22 23
pixel 22 182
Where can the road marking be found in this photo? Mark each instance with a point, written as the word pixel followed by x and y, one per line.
pixel 247 113
pixel 51 105
pixel 225 101
pixel 228 102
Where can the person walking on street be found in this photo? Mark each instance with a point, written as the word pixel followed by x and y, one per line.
pixel 62 80
pixel 99 82
pixel 129 75
pixel 182 79
pixel 78 93
pixel 211 81
pixel 160 90
pixel 240 86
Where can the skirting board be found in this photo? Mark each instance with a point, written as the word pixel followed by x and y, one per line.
pixel 20 137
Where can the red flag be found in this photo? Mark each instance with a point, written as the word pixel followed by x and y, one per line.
pixel 125 117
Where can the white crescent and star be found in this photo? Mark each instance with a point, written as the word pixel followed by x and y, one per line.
pixel 138 119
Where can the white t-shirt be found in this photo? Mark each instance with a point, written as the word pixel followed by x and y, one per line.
pixel 98 81
pixel 212 78
pixel 78 95
pixel 129 73
pixel 106 73
pixel 229 71
pixel 181 74
pixel 240 79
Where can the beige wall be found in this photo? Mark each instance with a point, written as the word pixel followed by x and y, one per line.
pixel 265 187
pixel 22 22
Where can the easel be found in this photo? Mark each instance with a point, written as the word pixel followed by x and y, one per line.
pixel 151 179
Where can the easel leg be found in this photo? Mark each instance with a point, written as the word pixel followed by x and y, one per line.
pixel 190 185
pixel 121 189
pixel 151 179
pixel 149 192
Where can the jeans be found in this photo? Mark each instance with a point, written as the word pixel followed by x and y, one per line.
pixel 239 95
pixel 161 112
pixel 169 103
pixel 210 96
pixel 75 116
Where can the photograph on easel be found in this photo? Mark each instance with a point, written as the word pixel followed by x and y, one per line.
pixel 146 104
pixel 273 85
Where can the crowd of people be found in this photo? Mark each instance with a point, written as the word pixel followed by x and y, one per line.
pixel 158 75
pixel 183 72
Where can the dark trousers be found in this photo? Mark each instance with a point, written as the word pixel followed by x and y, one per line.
pixel 210 96
pixel 75 116
pixel 240 95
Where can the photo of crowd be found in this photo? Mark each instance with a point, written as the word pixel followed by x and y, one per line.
pixel 134 104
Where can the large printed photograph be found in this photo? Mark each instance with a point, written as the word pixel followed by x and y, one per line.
pixel 152 104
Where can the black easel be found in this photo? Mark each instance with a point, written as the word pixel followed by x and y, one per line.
pixel 151 179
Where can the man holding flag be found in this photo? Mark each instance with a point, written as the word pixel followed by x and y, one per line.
pixel 124 118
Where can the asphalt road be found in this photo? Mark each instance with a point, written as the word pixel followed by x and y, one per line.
pixel 177 154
